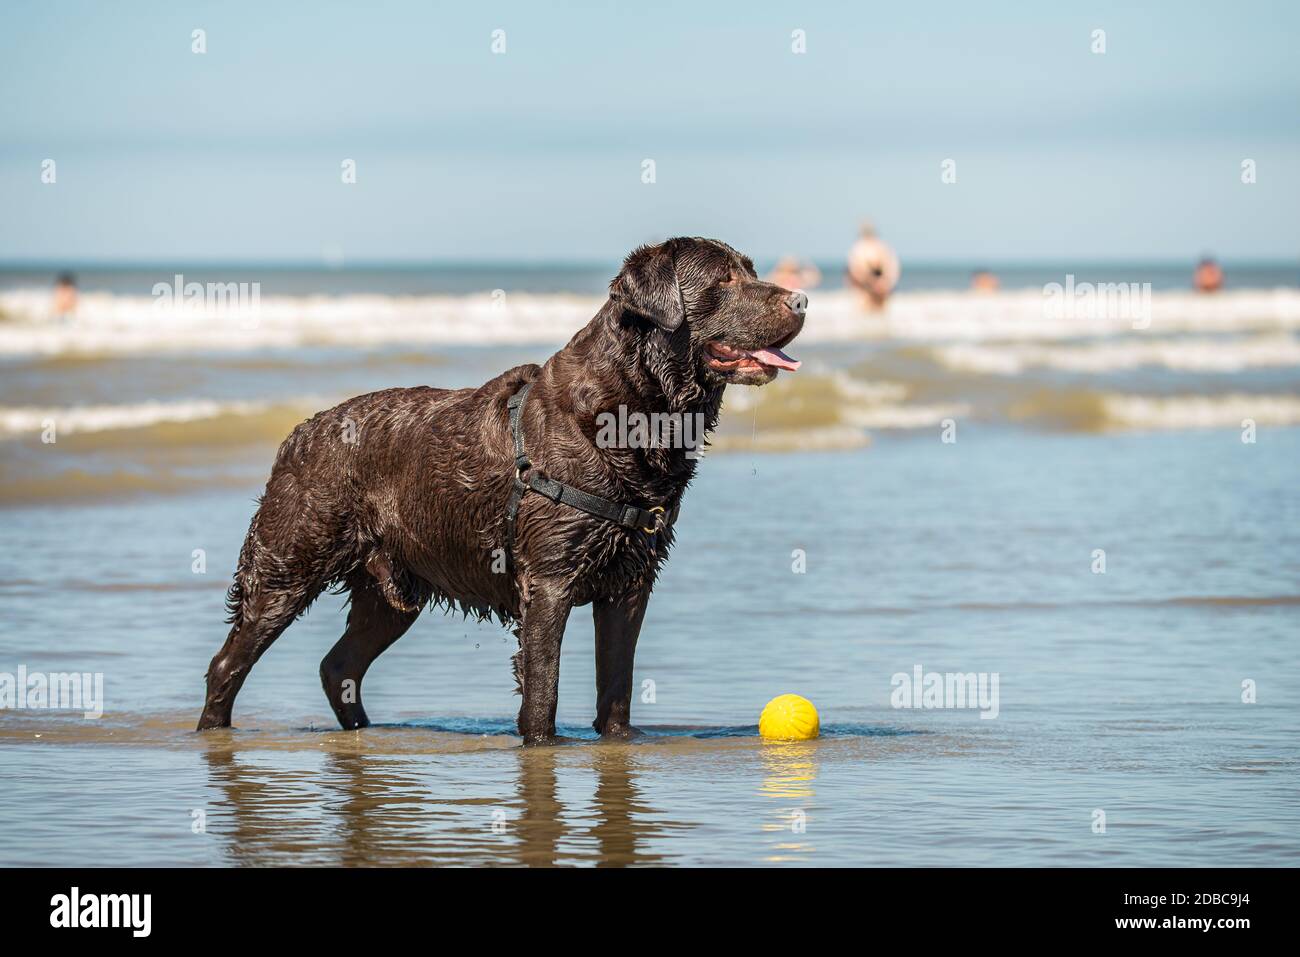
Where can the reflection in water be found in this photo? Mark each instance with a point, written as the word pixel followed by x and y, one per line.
pixel 539 827
pixel 380 810
pixel 617 827
pixel 789 770
pixel 360 808
pixel 625 823
pixel 250 837
pixel 351 809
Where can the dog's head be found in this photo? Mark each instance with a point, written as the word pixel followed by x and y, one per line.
pixel 736 323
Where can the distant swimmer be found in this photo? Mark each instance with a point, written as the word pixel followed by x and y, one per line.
pixel 872 269
pixel 1208 276
pixel 794 273
pixel 983 281
pixel 64 302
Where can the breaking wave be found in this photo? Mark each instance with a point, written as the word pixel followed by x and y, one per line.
pixel 151 401
pixel 1091 411
pixel 1181 355
pixel 111 324
pixel 187 422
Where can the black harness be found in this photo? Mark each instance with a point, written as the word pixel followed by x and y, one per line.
pixel 651 521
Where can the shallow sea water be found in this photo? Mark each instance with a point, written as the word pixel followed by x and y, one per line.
pixel 1118 692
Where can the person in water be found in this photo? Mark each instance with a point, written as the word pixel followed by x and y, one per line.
pixel 791 272
pixel 1208 276
pixel 64 302
pixel 872 269
pixel 983 281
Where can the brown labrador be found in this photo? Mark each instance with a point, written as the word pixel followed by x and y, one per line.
pixel 400 496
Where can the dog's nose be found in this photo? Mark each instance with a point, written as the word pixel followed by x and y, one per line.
pixel 798 303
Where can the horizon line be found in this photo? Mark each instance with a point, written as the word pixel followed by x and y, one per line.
pixel 318 265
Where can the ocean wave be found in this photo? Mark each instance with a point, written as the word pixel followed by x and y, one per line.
pixel 108 324
pixel 814 411
pixel 1201 412
pixel 177 447
pixel 107 452
pixel 806 411
pixel 1180 355
pixel 182 422
pixel 100 418
pixel 113 453
pixel 85 484
pixel 833 400
pixel 1091 411
pixel 826 438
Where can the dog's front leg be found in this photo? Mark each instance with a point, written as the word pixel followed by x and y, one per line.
pixel 618 623
pixel 545 616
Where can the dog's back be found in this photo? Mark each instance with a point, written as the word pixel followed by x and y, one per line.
pixel 407 484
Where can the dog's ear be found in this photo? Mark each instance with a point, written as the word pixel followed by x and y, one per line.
pixel 647 286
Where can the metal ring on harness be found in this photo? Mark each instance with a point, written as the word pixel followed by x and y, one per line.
pixel 657 510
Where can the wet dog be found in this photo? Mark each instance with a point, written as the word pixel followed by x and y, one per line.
pixel 400 496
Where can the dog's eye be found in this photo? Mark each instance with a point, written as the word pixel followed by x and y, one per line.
pixel 728 278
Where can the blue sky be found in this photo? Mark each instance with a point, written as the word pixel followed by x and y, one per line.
pixel 1061 154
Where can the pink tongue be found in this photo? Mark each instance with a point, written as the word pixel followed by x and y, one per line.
pixel 775 357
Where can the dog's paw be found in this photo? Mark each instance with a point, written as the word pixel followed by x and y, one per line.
pixel 620 732
pixel 540 740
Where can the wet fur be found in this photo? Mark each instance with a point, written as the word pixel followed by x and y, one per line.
pixel 411 512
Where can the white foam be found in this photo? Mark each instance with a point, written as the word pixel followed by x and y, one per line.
pixel 885 409
pixel 1201 412
pixel 114 325
pixel 861 404
pixel 882 405
pixel 20 420
pixel 906 416
pixel 1025 316
pixel 1183 355
pixel 110 324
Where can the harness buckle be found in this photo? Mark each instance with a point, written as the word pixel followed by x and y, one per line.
pixel 657 511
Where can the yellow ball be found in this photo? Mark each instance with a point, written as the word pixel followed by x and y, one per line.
pixel 789 717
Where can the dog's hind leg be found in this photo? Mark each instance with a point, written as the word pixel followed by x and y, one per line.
pixel 261 618
pixel 374 623
pixel 272 587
